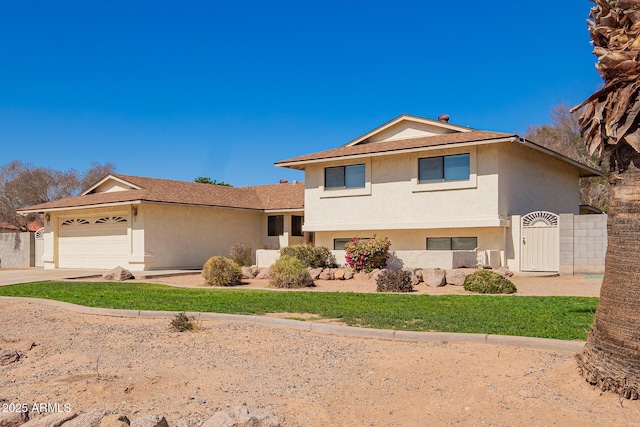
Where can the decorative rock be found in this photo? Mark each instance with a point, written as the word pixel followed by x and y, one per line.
pixel 414 278
pixel 13 419
pixel 375 274
pixel 115 420
pixel 118 274
pixel 327 274
pixel 339 273
pixel 54 420
pixel 434 277
pixel 418 273
pixel 505 271
pixel 263 274
pixel 361 276
pixel 242 416
pixel 183 423
pixel 455 277
pixel 90 419
pixel 150 421
pixel 9 356
pixel 249 272
pixel 348 274
pixel 315 273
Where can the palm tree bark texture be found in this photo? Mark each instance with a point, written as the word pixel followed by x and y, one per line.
pixel 609 124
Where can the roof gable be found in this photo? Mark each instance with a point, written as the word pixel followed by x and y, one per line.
pixel 110 183
pixel 407 127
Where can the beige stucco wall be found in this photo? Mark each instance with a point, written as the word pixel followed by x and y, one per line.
pixel 533 181
pixel 185 237
pixel 394 199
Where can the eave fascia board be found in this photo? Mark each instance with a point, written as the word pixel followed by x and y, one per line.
pixel 292 165
pixel 74 208
pixel 287 210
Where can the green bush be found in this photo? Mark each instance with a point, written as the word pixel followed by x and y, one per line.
pixel 241 254
pixel 367 254
pixel 289 272
pixel 394 281
pixel 489 282
pixel 221 271
pixel 311 256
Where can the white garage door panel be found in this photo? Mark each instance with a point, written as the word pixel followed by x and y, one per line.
pixel 93 246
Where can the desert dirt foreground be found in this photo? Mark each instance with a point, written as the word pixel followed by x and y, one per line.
pixel 139 367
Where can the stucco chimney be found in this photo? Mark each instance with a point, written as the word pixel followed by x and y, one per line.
pixel 283 181
pixel 444 118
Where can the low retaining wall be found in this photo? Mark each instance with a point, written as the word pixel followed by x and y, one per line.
pixel 17 250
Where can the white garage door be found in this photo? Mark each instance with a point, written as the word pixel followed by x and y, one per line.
pixel 100 242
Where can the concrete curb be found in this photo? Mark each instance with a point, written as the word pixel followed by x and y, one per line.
pixel 324 328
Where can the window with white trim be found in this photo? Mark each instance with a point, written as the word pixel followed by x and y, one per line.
pixel 455 167
pixel 351 176
pixel 452 243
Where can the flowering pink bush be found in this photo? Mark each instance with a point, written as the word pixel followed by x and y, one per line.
pixel 367 254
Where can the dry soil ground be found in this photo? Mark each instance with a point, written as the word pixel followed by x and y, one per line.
pixel 139 367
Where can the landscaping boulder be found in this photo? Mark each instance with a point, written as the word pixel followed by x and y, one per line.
pixel 115 420
pixel 118 274
pixel 90 419
pixel 315 273
pixel 375 274
pixel 327 274
pixel 150 421
pixel 249 272
pixel 13 419
pixel 434 277
pixel 263 274
pixel 339 273
pixel 348 274
pixel 455 277
pixel 242 416
pixel 505 271
pixel 414 278
pixel 53 420
pixel 418 273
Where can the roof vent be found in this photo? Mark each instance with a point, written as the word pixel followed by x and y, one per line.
pixel 283 181
pixel 444 118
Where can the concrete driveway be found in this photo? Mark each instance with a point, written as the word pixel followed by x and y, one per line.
pixel 12 277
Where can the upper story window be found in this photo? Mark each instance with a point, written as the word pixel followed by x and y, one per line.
pixel 352 176
pixel 444 168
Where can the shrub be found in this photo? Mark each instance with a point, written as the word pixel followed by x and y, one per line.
pixel 241 254
pixel 181 323
pixel 289 272
pixel 221 271
pixel 489 282
pixel 394 281
pixel 311 256
pixel 367 254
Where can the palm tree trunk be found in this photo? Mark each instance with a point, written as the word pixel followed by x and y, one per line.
pixel 611 358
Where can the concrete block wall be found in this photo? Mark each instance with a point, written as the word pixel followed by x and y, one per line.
pixel 17 250
pixel 583 243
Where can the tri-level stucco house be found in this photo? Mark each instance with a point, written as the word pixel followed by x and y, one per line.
pixel 442 193
pixel 434 188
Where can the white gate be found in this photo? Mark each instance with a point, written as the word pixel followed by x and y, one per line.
pixel 39 247
pixel 540 242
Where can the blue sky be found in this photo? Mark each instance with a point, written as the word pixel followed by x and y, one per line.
pixel 224 89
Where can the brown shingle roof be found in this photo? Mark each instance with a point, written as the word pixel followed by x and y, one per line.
pixel 274 196
pixel 399 145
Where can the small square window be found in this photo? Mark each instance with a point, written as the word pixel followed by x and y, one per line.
pixel 338 244
pixel 352 176
pixel 444 168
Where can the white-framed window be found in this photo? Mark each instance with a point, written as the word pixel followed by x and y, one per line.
pixel 454 167
pixel 350 176
pixel 452 243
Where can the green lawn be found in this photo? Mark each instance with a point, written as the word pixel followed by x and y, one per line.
pixel 567 318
